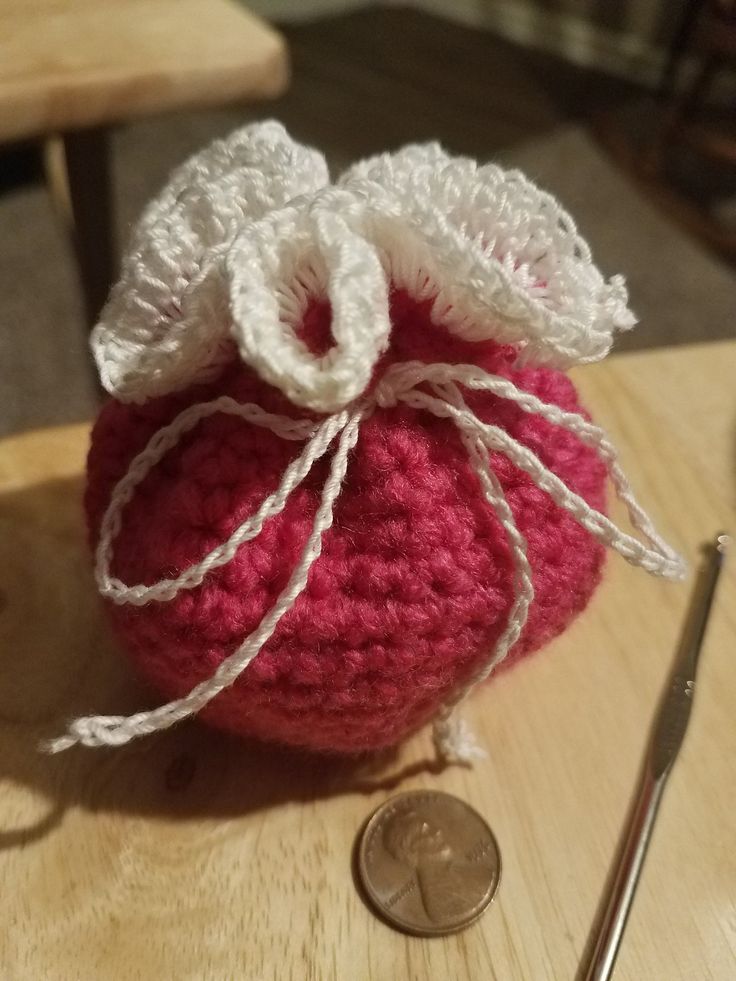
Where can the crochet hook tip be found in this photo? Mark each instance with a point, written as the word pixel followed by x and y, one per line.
pixel 668 733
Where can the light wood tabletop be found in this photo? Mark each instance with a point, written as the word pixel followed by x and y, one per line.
pixel 67 64
pixel 193 856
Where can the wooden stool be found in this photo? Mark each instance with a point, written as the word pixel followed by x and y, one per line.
pixel 707 35
pixel 69 69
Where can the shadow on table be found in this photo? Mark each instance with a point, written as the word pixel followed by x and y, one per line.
pixel 58 660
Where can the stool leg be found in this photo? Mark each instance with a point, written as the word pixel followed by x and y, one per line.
pixel 87 160
pixel 680 43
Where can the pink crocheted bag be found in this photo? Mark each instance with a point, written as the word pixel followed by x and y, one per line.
pixel 342 476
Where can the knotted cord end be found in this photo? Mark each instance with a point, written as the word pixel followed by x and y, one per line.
pixel 402 383
pixel 92 730
pixel 454 740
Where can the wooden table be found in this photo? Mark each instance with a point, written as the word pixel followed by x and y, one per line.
pixel 193 856
pixel 74 67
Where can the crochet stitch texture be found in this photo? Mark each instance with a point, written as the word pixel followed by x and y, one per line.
pixel 442 510
pixel 414 584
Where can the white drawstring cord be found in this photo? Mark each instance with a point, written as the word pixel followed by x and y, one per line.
pixel 100 730
pixel 399 384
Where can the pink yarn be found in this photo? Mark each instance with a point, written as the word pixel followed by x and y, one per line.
pixel 413 586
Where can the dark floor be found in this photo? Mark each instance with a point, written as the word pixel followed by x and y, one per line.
pixel 384 77
pixel 363 83
pixel 370 80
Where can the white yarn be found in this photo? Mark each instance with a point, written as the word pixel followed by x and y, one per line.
pixel 167 320
pixel 250 229
pixel 117 730
pixel 400 383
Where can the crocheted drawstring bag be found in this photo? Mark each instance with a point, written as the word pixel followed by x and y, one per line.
pixel 342 476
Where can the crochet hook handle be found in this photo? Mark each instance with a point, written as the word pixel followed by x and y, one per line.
pixel 667 736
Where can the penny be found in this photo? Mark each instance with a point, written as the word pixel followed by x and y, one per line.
pixel 428 863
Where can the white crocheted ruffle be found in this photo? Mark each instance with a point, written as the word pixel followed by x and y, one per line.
pixel 250 230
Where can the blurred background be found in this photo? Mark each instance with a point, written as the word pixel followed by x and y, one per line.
pixel 622 108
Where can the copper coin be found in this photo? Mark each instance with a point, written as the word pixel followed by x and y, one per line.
pixel 429 863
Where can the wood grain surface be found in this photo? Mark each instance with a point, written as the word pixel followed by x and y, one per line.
pixel 66 64
pixel 193 856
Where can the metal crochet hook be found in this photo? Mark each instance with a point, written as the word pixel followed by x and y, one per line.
pixel 668 733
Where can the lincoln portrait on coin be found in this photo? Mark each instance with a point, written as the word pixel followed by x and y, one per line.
pixel 449 883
